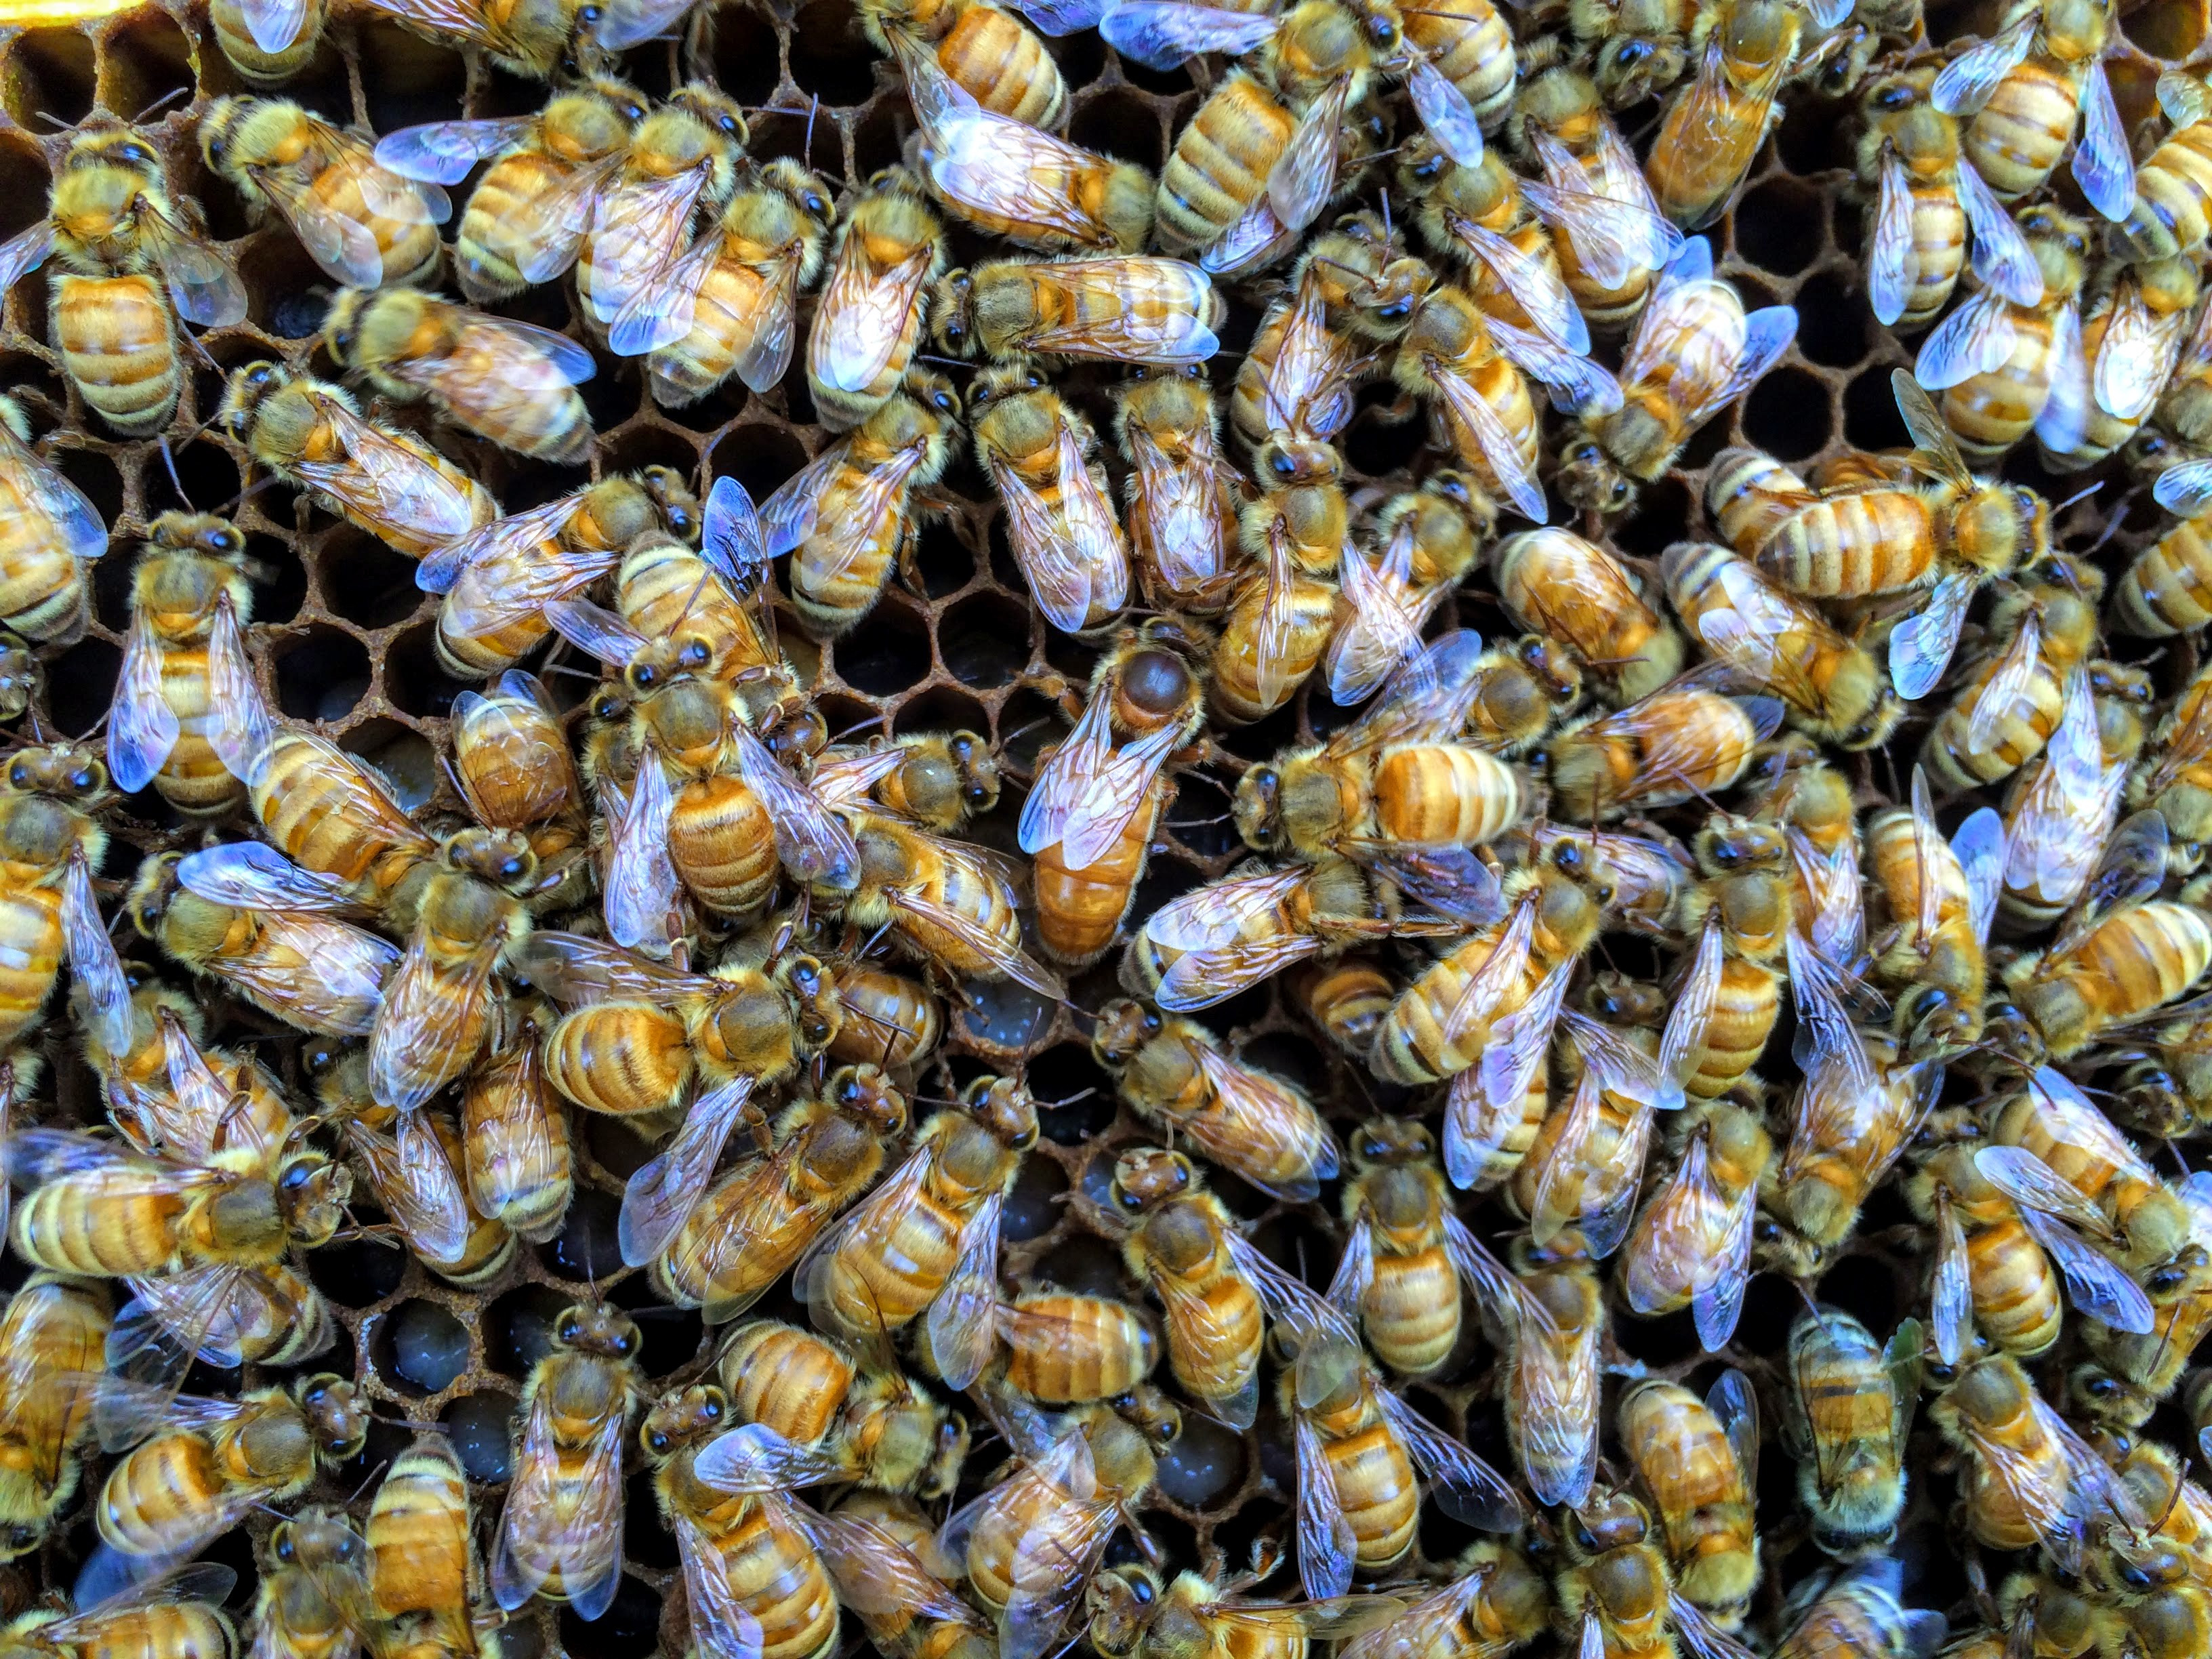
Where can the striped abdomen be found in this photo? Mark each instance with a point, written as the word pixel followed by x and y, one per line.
pixel 1416 1044
pixel 773 1573
pixel 1848 546
pixel 153 1494
pixel 487 250
pixel 2015 1293
pixel 1215 1357
pixel 1956 765
pixel 163 1629
pixel 1220 163
pixel 1444 794
pixel 265 69
pixel 326 814
pixel 192 779
pixel 418 1535
pixel 1381 1499
pixel 1744 1011
pixel 1939 252
pixel 1750 496
pixel 1499 385
pixel 516 1145
pixel 1003 65
pixel 2168 589
pixel 724 325
pixel 409 247
pixel 1073 1349
pixel 2173 193
pixel 1990 413
pixel 722 844
pixel 2134 961
pixel 1412 1310
pixel 30 955
pixel 889 1268
pixel 1237 694
pixel 2017 138
pixel 974 893
pixel 1079 913
pixel 839 571
pixel 785 1379
pixel 118 344
pixel 1472 45
pixel 619 1057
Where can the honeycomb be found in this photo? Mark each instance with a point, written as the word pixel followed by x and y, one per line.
pixel 342 639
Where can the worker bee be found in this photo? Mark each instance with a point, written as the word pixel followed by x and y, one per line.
pixel 1616 1590
pixel 2053 1122
pixel 422 1566
pixel 868 1421
pixel 50 843
pixel 1581 596
pixel 1213 1287
pixel 413 1171
pixel 1679 742
pixel 53 1331
pixel 890 1576
pixel 1692 1244
pixel 855 516
pixel 2004 368
pixel 198 1467
pixel 1125 309
pixel 2030 1480
pixel 2009 703
pixel 1930 202
pixel 132 262
pixel 48 535
pixel 512 383
pixel 1695 352
pixel 1100 793
pixel 189 600
pixel 926 1240
pixel 177 1613
pixel 1859 1613
pixel 2162 593
pixel 387 481
pixel 2131 1372
pixel 1358 1447
pixel 1043 457
pixel 1282 611
pixel 1181 493
pixel 1778 643
pixel 314 1596
pixel 1551 1316
pixel 1938 899
pixel 682 165
pixel 1698 1462
pixel 511 765
pixel 2025 86
pixel 1062 1348
pixel 515 1137
pixel 2133 334
pixel 983 49
pixel 1301 372
pixel 1744 912
pixel 1172 1072
pixel 560 1534
pixel 1497 1602
pixel 1008 178
pixel 890 254
pixel 1428 538
pixel 527 218
pixel 1846 1415
pixel 1849 1123
pixel 2175 778
pixel 1481 217
pixel 1714 126
pixel 363 225
pixel 268 41
pixel 891 1019
pixel 731 1243
pixel 1132 1616
pixel 2173 210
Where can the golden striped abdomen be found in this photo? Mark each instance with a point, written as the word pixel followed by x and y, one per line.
pixel 890 1268
pixel 773 1573
pixel 1222 1354
pixel 486 250
pixel 193 780
pixel 118 343
pixel 785 1379
pixel 722 844
pixel 1848 546
pixel 1445 794
pixel 1957 764
pixel 722 326
pixel 622 1058
pixel 1380 1497
pixel 1236 695
pixel 2015 1293
pixel 1003 65
pixel 1472 47
pixel 1744 1011
pixel 2133 963
pixel 1412 1310
pixel 2168 589
pixel 1990 413
pixel 1413 1045
pixel 1939 252
pixel 1079 913
pixel 1048 1362
pixel 1014 1512
pixel 840 570
pixel 2172 191
pixel 1499 385
pixel 168 1630
pixel 409 247
pixel 151 1493
pixel 1220 163
pixel 2017 138
pixel 30 954
pixel 968 891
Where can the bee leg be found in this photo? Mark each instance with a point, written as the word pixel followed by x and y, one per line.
pixel 909 566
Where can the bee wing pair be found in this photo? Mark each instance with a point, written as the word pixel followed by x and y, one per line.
pixel 1071 550
pixel 500 376
pixel 416 1185
pixel 572 1509
pixel 1088 791
pixel 345 248
pixel 1183 499
pixel 1707 367
pixel 635 229
pixel 2050 1207
pixel 143 731
pixel 43 490
pixel 1386 614
pixel 1675 1238
pixel 445 152
pixel 863 315
pixel 662 1194
pixel 384 482
pixel 2060 824
pixel 1605 209
pixel 2137 355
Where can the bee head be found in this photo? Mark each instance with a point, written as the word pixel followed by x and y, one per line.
pixel 1146 1177
pixel 1257 808
pixel 954 310
pixel 338 1415
pixel 866 1092
pixel 598 1327
pixel 249 387
pixel 1119 1605
pixel 1004 1106
pixel 1125 1026
pixel 683 1416
pixel 1391 1142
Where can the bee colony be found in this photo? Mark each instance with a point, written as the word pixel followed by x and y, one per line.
pixel 969 828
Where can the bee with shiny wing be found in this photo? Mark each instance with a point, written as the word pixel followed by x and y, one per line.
pixel 177 1615
pixel 682 167
pixel 1125 308
pixel 1698 1462
pixel 1577 593
pixel 2133 333
pixel 1181 493
pixel 1692 1244
pixel 874 1424
pixel 1617 1594
pixel 1282 610
pixel 1845 1417
pixel 312 1603
pixel 1713 127
pixel 1678 743
pixel 50 536
pixel 2026 87
pixel 890 252
pixel 53 1332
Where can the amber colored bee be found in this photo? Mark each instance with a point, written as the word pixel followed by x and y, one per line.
pixel 177 1615
pixel 1008 178
pixel 2131 1371
pixel 50 534
pixel 1697 1460
pixel 1714 126
pixel 1552 1316
pixel 1407 1252
pixel 729 306
pixel 189 599
pixel 365 226
pixel 1215 1288
pixel 527 217
pixel 2163 593
pixel 1132 1616
pixel 1495 1603
pixel 984 49
pixel 560 1535
pixel 2157 1477
pixel 878 1427
pixel 1848 1124
pixel 423 1568
pixel 2134 330
pixel 1615 1592
pixel 925 1241
pixel 2105 972
pixel 1746 901
pixel 1283 610
pixel 512 764
pixel 2173 210
pixel 1692 1244
pixel 1426 540
pixel 2004 369
pixel 942 780
pixel 2024 86
pixel 2175 776
pixel 514 1140
pixel 1180 494
pixel 50 843
pixel 198 1467
pixel 1639 48
pixel 1581 596
pixel 1938 898
pixel 1695 352
pixel 1481 217
pixel 1845 1418
pixel 512 383
pixel 1100 793
pixel 2011 703
pixel 53 1330
pixel 1124 308
pixel 1043 457
pixel 2054 1120
pixel 1172 1072
pixel 1780 644
pixel 858 495
pixel 304 967
pixel 1679 742
pixel 883 1555
pixel 1061 1348
pixel 388 482
pixel 1311 348
pixel 665 588
pixel 132 264
pixel 268 41
pixel 313 1596
pixel 742 1234
pixel 1346 998
pixel 681 168
pixel 1859 1616
pixel 890 252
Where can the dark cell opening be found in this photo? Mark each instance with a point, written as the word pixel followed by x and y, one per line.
pixel 419 1348
pixel 1779 225
pixel 517 1328
pixel 413 680
pixel 585 1248
pixel 1787 415
pixel 830 56
pixel 366 581
pixel 887 652
pixel 481 1425
pixel 51 77
pixel 1120 124
pixel 321 673
pixel 985 640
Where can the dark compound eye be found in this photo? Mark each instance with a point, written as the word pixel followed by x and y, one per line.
pixel 657 1441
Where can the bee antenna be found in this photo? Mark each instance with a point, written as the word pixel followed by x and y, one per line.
pixel 1387 233
pixel 813 109
pixel 169 462
pixel 169 97
pixel 949 363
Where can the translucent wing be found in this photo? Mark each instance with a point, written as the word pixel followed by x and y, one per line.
pixel 1890 262
pixel 722 1627
pixel 635 229
pixel 1491 440
pixel 432 1023
pixel 1466 1487
pixel 1260 1128
pixel 1052 1567
pixel 1968 81
pixel 1004 959
pixel 2003 259
pixel 1163 34
pixel 1578 386
pixel 202 284
pixel 962 1319
pixel 594 629
pixel 2065 417
pixel 1533 284
pixel 387 482
pixel 1951 1306
pixel 1518 1042
pixel 548 228
pixel 2016 672
pixel 642 884
pixel 23 253
pixel 2136 357
pixel 863 316
pixel 754 1458
pixel 1687 1019
pixel 769 330
pixel 1979 849
pixel 1186 527
pixel 423 1198
pixel 1305 176
pixel 1920 648
pixel 1704 1639
pixel 443 152
pixel 1977 339
pixel 2098 1287
pixel 1838 922
pixel 1067 778
pixel 1326 1543
pixel 2185 488
pixel 250 875
pixel 626 23
pixel 1216 913
pixel 344 247
pixel 1445 111
pixel 502 538
pixel 92 957
pixel 76 521
pixel 812 843
pixel 2103 164
pixel 663 1192
pixel 142 728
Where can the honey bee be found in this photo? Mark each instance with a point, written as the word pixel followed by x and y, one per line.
pixel 1132 1616
pixel 2175 778
pixel 1358 1449
pixel 53 1330
pixel 926 1240
pixel 1170 1071
pixel 1577 593
pixel 515 1136
pixel 1042 458
pixel 1615 1589
pixel 1859 1613
pixel 1214 1287
pixel 1677 742
pixel 388 482
pixel 730 1244
pixel 2173 210
pixel 983 49
pixel 1481 217
pixel 1428 539
pixel 1282 611
pixel 1697 1460
pixel 1780 644
pixel 1496 1604
pixel 2009 704
pixel 1695 352
pixel 1846 1415
pixel 1181 495
pixel 560 1535
pixel 512 764
pixel 414 1171
pixel 2131 1372
pixel 1639 48
pixel 890 254
pixel 2030 1479
pixel 49 845
pixel 178 1614
pixel 682 165
pixel 303 967
pixel 1848 1125
pixel 2133 334
pixel 1125 309
pixel 889 1575
pixel 363 225
pixel 2054 1122
pixel 314 1596
pixel 2161 594
pixel 1714 126
pixel 1940 898
pixel 1745 913
pixel 198 1467
pixel 855 515
pixel 2024 86
pixel 891 1019
pixel 132 263
pixel 1311 350
pixel 2004 369
pixel 1008 178
pixel 527 218
pixel 512 383
pixel 268 41
pixel 1551 1316
pixel 422 1566
pixel 873 1424
pixel 1062 1348
pixel 1691 1245
pixel 50 534
pixel 1406 1253
pixel 1577 1184
pixel 940 780
pixel 1075 1482
pixel 189 600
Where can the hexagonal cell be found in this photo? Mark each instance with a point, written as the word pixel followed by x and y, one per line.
pixel 407 760
pixel 1033 1208
pixel 946 563
pixel 887 652
pixel 1291 1057
pixel 1204 1465
pixel 95 474
pixel 1122 124
pixel 1004 1014
pixel 1870 417
pixel 482 1426
pixel 1787 415
pixel 23 186
pixel 517 1328
pixel 747 59
pixel 1086 1265
pixel 801 133
pixel 616 1146
pixel 942 709
pixel 647 1540
pixel 758 456
pixel 419 1348
pixel 1833 324
pixel 1198 817
pixel 81 684
pixel 48 78
pixel 1779 225
pixel 984 640
pixel 415 81
pixel 2172 29
pixel 357 1272
pixel 877 139
pixel 585 1248
pixel 413 679
pixel 286 291
pixel 1075 1098
pixel 366 581
pixel 830 58
pixel 322 672
pixel 145 64
pixel 628 1628
pixel 205 477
